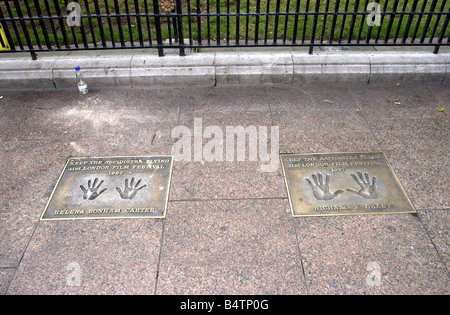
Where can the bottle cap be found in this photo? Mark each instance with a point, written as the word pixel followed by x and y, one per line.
pixel 77 68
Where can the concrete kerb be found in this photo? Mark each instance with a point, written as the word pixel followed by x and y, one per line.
pixel 128 68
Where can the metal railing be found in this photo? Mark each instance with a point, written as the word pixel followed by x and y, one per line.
pixel 59 25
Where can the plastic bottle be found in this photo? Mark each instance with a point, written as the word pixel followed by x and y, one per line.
pixel 82 85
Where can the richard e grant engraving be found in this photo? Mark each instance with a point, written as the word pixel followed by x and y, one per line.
pixel 343 184
pixel 111 187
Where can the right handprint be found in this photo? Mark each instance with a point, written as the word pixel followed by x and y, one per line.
pixel 368 187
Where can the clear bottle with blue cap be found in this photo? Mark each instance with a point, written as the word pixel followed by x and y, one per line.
pixel 82 85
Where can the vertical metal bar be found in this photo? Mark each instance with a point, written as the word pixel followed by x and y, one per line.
pixel 36 35
pixel 189 21
pixel 267 22
pixel 305 22
pixel 24 26
pixel 325 17
pixel 383 14
pixel 180 27
pixel 363 20
pixel 42 23
pixel 444 28
pixel 347 2
pixel 158 27
pixel 333 24
pixel 62 25
pixel 238 17
pixel 91 28
pixel 208 20
pixel 277 18
pixel 228 22
pixel 313 35
pixel 147 20
pixel 247 23
pixel 111 31
pixel 138 23
pixel 418 22
pixel 199 23
pixel 74 34
pixel 100 23
pixel 119 22
pixel 175 27
pixel 352 23
pixel 408 23
pixel 288 4
pixel 297 11
pixel 427 23
pixel 52 25
pixel 400 22
pixel 130 31
pixel 258 8
pixel 218 22
pixel 437 21
pixel 391 22
pixel 169 29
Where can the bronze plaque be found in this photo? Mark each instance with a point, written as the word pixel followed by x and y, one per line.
pixel 343 184
pixel 111 188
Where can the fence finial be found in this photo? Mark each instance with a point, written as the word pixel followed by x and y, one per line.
pixel 167 5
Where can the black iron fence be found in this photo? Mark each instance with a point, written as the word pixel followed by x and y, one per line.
pixel 58 25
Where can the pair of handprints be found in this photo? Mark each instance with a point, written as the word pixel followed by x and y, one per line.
pixel 129 192
pixel 321 186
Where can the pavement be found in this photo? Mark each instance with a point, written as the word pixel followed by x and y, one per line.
pixel 228 228
pixel 142 68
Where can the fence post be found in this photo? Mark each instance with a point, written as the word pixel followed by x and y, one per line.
pixel 180 28
pixel 436 49
pixel 158 28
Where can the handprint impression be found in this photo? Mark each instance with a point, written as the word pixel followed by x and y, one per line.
pixel 92 191
pixel 321 189
pixel 368 190
pixel 130 190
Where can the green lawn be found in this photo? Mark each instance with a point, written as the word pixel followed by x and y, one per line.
pixel 227 28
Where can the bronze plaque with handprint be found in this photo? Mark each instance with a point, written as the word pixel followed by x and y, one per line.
pixel 111 188
pixel 343 184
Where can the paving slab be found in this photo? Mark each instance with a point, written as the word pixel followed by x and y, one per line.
pixel 312 120
pixel 436 223
pixel 97 116
pixel 6 276
pixel 30 170
pixel 230 247
pixel 223 178
pixel 383 254
pixel 410 129
pixel 91 257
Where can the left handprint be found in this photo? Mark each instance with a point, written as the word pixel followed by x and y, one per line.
pixel 91 192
